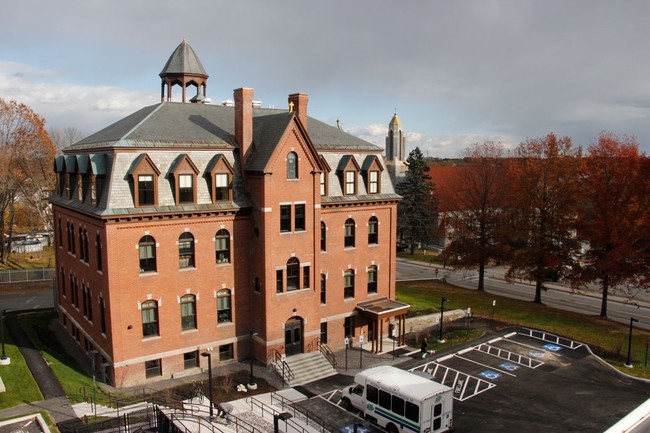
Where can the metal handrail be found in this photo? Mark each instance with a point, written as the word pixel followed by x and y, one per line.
pixel 303 413
pixel 329 355
pixel 287 374
pixel 271 411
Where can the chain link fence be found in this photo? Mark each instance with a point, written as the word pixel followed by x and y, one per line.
pixel 26 275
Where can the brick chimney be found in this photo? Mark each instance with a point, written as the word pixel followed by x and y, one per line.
pixel 244 121
pixel 300 101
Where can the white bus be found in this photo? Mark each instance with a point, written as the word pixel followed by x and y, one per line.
pixel 400 401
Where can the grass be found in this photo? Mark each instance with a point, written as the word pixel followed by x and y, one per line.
pixel 605 337
pixel 70 375
pixel 21 386
pixel 41 259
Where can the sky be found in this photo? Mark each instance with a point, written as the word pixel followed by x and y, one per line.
pixel 456 72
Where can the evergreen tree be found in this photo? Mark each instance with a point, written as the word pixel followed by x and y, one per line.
pixel 416 212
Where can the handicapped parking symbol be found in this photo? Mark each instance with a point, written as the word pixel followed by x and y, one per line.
pixel 553 347
pixel 508 366
pixel 536 353
pixel 490 375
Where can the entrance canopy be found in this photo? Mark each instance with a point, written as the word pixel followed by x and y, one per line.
pixel 379 310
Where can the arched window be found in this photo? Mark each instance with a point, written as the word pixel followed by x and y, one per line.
pixel 348 284
pixel 293 274
pixel 188 312
pixel 147 248
pixel 292 165
pixel 349 233
pixel 323 289
pixel 373 230
pixel 186 250
pixel 224 309
pixel 98 250
pixel 323 236
pixel 222 246
pixel 372 279
pixel 149 318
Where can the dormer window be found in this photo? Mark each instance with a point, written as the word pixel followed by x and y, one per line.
pixel 219 172
pixel 145 181
pixel 324 174
pixel 348 171
pixel 184 173
pixel 372 174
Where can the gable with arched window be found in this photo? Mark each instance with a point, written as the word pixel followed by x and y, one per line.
pixel 147 248
pixel 220 173
pixel 371 172
pixel 348 172
pixel 292 165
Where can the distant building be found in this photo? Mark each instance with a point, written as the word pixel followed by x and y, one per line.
pixel 396 150
pixel 187 226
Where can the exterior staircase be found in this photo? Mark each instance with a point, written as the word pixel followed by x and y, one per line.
pixel 308 367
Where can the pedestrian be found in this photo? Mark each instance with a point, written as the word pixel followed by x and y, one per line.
pixel 423 346
pixel 224 410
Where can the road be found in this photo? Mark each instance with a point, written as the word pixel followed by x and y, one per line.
pixel 557 295
pixel 28 298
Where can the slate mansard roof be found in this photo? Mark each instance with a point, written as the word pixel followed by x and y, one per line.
pixel 203 131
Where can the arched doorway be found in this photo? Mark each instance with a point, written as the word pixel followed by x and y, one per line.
pixel 293 336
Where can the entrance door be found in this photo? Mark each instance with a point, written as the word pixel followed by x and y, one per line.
pixel 293 337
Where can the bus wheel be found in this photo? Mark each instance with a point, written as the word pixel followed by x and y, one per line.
pixel 390 428
pixel 347 405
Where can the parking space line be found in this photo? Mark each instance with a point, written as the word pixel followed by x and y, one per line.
pixel 517 358
pixel 464 385
pixel 485 365
pixel 551 338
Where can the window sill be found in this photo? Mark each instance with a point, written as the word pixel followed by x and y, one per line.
pixel 348 299
pixel 349 248
pixel 373 245
pixel 224 324
pixel 223 263
pixel 151 338
pixel 189 331
pixel 188 269
pixel 148 273
pixel 372 293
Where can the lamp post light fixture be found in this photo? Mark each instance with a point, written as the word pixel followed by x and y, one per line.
pixel 3 359
pixel 209 356
pixel 282 416
pixel 442 312
pixel 251 382
pixel 628 364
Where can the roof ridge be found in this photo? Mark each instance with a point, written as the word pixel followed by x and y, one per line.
pixel 143 120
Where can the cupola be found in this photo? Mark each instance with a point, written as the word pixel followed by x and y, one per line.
pixel 184 69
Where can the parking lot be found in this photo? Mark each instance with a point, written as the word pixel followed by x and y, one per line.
pixel 524 380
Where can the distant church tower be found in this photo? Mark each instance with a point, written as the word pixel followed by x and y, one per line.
pixel 184 69
pixel 395 150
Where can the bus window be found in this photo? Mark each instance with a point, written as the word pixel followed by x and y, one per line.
pixel 384 399
pixel 372 395
pixel 398 405
pixel 412 412
pixel 437 410
pixel 358 390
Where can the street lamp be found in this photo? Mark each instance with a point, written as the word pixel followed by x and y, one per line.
pixel 251 382
pixel 209 356
pixel 3 358
pixel 442 312
pixel 628 364
pixel 280 416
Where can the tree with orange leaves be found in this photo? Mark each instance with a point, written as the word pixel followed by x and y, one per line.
pixel 475 201
pixel 544 175
pixel 26 153
pixel 613 219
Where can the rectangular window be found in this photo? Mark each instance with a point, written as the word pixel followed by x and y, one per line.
pixel 191 359
pixel 285 218
pixel 323 333
pixel 221 187
pixel 102 315
pixel 278 281
pixel 349 326
pixel 412 411
pixel 323 289
pixel 384 399
pixel 348 284
pixel 225 352
pixel 350 182
pixel 323 184
pixel 153 368
pixel 188 313
pixel 397 405
pixel 372 394
pixel 185 188
pixel 372 280
pixel 373 181
pixel 299 223
pixel 145 190
pixel 306 274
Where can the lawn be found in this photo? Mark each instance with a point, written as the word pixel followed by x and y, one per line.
pixel 18 380
pixel 606 338
pixel 41 259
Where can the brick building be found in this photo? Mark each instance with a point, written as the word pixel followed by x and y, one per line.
pixel 189 226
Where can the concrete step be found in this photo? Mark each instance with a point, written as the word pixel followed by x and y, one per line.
pixel 308 367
